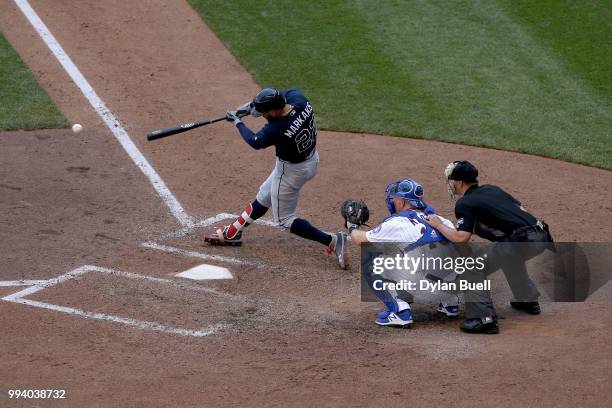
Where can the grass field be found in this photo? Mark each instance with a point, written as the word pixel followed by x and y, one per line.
pixel 518 75
pixel 23 103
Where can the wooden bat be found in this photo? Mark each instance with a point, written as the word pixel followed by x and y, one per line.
pixel 174 130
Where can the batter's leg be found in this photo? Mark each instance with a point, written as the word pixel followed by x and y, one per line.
pixel 287 181
pixel 264 194
pixel 252 211
pixel 232 234
pixel 285 191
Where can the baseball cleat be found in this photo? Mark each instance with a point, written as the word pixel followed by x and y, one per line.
pixel 449 310
pixel 220 238
pixel 382 314
pixel 399 319
pixel 532 308
pixel 338 248
pixel 485 325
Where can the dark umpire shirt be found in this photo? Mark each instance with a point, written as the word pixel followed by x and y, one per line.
pixel 293 135
pixel 490 212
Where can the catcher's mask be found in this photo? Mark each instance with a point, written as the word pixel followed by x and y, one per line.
pixel 460 171
pixel 266 100
pixel 406 189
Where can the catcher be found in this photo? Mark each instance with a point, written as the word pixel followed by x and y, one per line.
pixel 406 225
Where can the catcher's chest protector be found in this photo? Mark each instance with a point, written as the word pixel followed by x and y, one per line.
pixel 429 233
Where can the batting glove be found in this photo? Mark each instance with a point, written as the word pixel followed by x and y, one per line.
pixel 243 110
pixel 232 116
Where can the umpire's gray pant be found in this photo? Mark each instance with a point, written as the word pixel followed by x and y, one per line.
pixel 510 257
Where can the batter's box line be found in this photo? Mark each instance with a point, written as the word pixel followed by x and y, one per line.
pixel 194 254
pixel 207 222
pixel 200 255
pixel 23 282
pixel 19 298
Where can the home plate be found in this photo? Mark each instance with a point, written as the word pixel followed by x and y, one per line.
pixel 205 271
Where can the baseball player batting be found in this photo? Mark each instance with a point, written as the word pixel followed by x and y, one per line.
pixel 292 130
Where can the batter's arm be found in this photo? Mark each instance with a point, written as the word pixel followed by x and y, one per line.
pixel 259 140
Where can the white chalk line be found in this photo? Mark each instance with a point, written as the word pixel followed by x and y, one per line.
pixel 198 224
pixel 176 209
pixel 140 324
pixel 176 284
pixel 194 254
pixel 18 298
pixel 48 283
pixel 207 222
pixel 199 255
pixel 20 283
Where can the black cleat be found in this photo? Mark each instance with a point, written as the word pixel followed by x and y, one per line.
pixel 532 308
pixel 486 325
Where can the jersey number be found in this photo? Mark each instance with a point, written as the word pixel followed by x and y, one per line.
pixel 306 138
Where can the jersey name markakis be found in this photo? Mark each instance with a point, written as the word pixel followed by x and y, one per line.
pixel 299 121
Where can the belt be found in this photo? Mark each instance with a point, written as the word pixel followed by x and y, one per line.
pixel 538 227
pixel 300 161
pixel 522 233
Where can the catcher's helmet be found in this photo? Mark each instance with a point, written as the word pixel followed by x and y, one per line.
pixel 266 100
pixel 409 190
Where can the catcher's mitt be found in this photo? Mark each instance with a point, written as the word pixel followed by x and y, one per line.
pixel 354 212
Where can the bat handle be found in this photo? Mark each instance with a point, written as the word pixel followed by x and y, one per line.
pixel 175 130
pixel 219 119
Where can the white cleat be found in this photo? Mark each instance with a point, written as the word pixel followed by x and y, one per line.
pixel 399 319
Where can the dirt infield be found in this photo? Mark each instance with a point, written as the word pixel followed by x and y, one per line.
pixel 292 331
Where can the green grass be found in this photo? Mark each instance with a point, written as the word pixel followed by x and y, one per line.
pixel 579 31
pixel 518 75
pixel 23 103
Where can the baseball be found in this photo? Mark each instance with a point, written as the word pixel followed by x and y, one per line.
pixel 76 128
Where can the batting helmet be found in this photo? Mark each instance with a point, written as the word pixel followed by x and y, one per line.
pixel 407 189
pixel 266 100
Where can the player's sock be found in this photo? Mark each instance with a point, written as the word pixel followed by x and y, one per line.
pixel 402 305
pixel 304 229
pixel 252 212
pixel 395 305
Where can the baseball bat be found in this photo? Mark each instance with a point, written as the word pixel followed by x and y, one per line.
pixel 173 130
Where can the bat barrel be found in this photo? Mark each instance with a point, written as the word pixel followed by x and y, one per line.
pixel 156 134
pixel 160 133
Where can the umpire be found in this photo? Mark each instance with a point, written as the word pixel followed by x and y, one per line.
pixel 493 214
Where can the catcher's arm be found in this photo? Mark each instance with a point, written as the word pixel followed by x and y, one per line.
pixel 358 236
